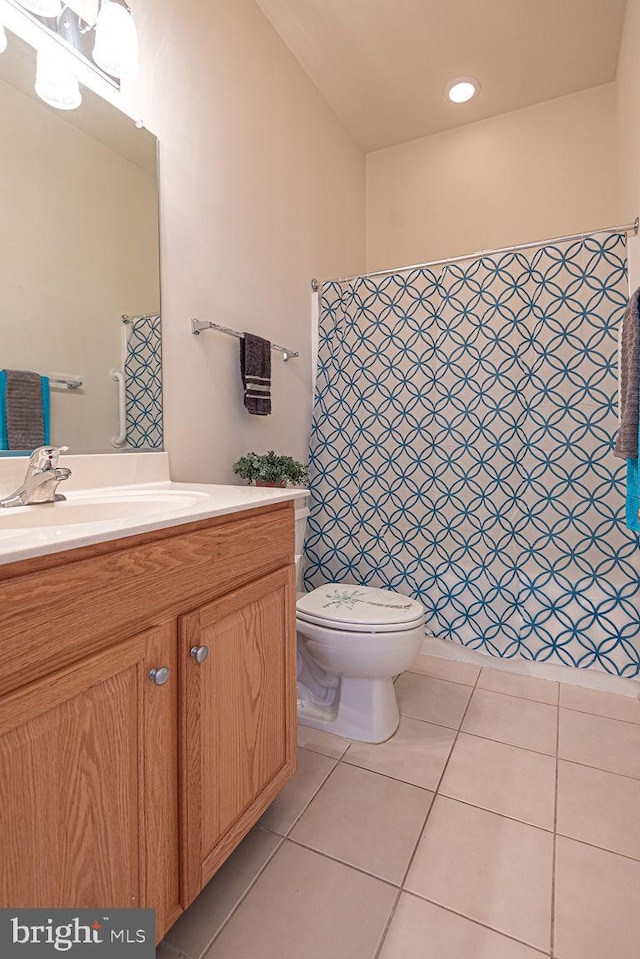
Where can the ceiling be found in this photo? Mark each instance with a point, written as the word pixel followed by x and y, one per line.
pixel 383 65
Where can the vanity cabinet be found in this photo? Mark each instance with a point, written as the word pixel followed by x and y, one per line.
pixel 238 718
pixel 132 762
pixel 71 790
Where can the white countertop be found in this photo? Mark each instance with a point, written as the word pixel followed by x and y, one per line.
pixel 164 503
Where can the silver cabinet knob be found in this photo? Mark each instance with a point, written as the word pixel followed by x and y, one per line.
pixel 199 653
pixel 161 675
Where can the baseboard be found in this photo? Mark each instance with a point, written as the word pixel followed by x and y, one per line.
pixel 591 678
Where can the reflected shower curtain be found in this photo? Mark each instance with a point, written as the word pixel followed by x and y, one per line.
pixel 461 451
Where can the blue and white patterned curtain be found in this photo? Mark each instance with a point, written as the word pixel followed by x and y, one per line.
pixel 461 452
pixel 143 380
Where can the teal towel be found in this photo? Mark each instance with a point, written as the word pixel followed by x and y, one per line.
pixel 633 495
pixel 46 415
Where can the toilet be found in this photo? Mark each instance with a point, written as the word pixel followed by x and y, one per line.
pixel 352 641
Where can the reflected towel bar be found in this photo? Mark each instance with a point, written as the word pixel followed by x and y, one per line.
pixel 70 383
pixel 131 320
pixel 197 326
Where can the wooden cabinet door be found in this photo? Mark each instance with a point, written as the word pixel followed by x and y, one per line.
pixel 73 777
pixel 161 874
pixel 238 718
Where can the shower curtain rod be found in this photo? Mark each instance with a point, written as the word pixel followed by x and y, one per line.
pixel 627 228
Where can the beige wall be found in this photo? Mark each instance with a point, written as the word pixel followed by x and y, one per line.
pixel 261 190
pixel 543 171
pixel 80 229
pixel 628 141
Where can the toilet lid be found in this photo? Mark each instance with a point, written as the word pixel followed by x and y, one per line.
pixel 359 608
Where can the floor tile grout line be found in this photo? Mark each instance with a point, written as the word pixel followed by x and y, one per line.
pixel 376 772
pixel 387 925
pixel 614 719
pixel 525 699
pixel 282 838
pixel 600 769
pixel 456 799
pixel 242 898
pixel 440 679
pixel 507 672
pixel 311 749
pixel 477 735
pixel 502 692
pixel 563 759
pixel 444 769
pixel 174 950
pixel 492 667
pixel 406 872
pixel 426 819
pixel 465 732
pixel 285 835
pixel 342 862
pixel 396 779
pixel 542 702
pixel 476 922
pixel 436 789
pixel 592 845
pixel 493 812
pixel 424 826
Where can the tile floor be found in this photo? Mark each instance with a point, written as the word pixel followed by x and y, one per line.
pixel 502 821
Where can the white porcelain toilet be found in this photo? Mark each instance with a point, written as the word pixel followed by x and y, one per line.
pixel 352 641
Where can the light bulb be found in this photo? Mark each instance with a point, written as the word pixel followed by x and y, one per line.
pixel 43 8
pixel 3 38
pixel 55 84
pixel 462 90
pixel 116 46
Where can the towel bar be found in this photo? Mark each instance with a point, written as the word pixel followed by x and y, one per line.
pixel 70 383
pixel 197 326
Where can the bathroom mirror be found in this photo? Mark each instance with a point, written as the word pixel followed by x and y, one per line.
pixel 79 210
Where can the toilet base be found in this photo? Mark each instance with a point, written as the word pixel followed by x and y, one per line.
pixel 365 710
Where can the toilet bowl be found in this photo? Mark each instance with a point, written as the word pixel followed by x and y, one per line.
pixel 352 641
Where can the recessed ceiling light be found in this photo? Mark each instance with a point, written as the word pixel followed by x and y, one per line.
pixel 462 90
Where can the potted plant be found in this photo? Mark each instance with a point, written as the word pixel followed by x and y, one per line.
pixel 270 469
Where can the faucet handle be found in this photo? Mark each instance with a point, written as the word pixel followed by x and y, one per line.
pixel 46 457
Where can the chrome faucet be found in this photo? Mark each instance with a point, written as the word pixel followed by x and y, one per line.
pixel 42 479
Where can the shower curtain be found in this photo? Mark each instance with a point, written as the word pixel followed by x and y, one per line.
pixel 461 451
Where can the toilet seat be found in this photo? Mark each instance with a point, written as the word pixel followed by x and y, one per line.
pixel 359 609
pixel 352 641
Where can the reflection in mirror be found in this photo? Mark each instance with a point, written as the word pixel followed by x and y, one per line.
pixel 78 195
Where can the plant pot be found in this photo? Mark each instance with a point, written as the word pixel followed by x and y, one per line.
pixel 279 485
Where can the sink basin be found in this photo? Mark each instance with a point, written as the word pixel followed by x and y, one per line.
pixel 99 507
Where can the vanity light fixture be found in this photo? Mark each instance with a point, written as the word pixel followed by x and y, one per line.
pixel 94 42
pixel 55 84
pixel 462 89
pixel 116 46
pixel 43 8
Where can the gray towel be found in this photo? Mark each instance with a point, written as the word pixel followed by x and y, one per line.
pixel 25 415
pixel 627 441
pixel 255 369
